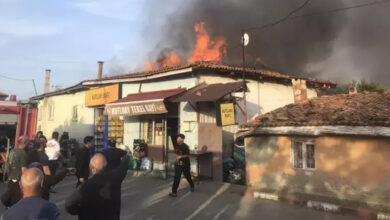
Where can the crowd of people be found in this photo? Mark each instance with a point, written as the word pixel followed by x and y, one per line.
pixel 34 170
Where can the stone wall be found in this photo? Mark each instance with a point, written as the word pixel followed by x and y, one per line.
pixel 347 168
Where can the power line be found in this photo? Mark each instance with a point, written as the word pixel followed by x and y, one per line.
pixel 15 79
pixel 282 19
pixel 290 17
pixel 21 80
pixel 341 9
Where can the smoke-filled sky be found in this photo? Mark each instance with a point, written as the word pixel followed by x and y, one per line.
pixel 337 46
pixel 70 36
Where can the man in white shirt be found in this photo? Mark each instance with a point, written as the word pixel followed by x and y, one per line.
pixel 52 151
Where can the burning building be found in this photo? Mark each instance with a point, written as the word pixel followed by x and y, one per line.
pixel 154 105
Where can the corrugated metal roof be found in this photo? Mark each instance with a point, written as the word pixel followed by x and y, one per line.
pixel 208 92
pixel 161 94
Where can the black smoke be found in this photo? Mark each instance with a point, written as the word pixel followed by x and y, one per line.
pixel 293 45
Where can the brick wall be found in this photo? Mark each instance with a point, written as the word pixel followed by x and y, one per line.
pixel 300 90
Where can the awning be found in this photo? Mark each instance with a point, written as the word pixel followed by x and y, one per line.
pixel 145 103
pixel 208 92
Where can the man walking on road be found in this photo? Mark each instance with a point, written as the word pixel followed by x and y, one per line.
pixel 17 163
pixel 182 165
pixel 82 160
pixel 99 197
pixel 32 206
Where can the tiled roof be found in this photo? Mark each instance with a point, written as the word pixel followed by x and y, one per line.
pixel 214 66
pixel 257 73
pixel 362 109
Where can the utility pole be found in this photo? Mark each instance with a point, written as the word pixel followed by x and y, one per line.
pixel 244 41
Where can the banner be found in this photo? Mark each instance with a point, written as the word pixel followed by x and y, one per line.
pixel 134 109
pixel 101 96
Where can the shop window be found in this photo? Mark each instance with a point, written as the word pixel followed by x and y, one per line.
pixel 74 113
pixel 153 131
pixel 303 155
pixel 51 112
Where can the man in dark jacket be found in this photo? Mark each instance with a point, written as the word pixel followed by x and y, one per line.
pixel 48 181
pixel 182 165
pixel 99 197
pixel 32 206
pixel 113 155
pixel 82 160
pixel 37 154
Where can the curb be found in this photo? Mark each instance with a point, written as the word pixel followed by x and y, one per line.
pixel 321 206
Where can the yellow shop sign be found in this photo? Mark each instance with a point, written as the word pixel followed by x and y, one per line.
pixel 101 96
pixel 227 114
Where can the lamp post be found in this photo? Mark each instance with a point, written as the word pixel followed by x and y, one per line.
pixel 244 42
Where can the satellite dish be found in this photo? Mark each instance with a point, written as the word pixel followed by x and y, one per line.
pixel 245 39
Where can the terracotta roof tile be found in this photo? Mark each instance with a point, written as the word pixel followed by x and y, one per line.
pixel 363 109
pixel 214 66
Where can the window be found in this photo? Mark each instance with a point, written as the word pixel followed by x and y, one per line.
pixel 51 112
pixel 303 155
pixel 153 131
pixel 74 113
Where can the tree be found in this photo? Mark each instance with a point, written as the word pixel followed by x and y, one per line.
pixel 361 86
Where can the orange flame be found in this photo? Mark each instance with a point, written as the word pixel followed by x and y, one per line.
pixel 148 66
pixel 172 60
pixel 205 50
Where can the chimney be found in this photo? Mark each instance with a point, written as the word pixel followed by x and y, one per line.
pixel 300 90
pixel 47 81
pixel 100 70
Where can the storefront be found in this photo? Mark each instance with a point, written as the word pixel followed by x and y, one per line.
pixel 105 127
pixel 158 121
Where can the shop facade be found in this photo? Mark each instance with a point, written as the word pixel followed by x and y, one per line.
pixel 105 127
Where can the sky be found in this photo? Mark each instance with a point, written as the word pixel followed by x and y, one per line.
pixel 70 36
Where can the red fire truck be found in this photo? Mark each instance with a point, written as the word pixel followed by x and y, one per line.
pixel 16 119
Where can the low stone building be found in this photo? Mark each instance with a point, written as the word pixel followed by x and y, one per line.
pixel 331 149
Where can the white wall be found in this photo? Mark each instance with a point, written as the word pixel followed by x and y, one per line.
pixel 63 116
pixel 187 114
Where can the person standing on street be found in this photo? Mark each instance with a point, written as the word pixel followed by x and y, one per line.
pixel 17 164
pixel 32 206
pixel 182 165
pixel 82 160
pixel 39 155
pixel 52 151
pixel 113 155
pixel 99 197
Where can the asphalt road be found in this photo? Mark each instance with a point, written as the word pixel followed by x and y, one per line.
pixel 146 198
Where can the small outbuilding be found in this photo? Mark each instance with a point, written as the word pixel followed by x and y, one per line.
pixel 331 149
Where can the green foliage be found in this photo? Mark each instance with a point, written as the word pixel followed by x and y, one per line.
pixel 365 86
pixel 361 86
